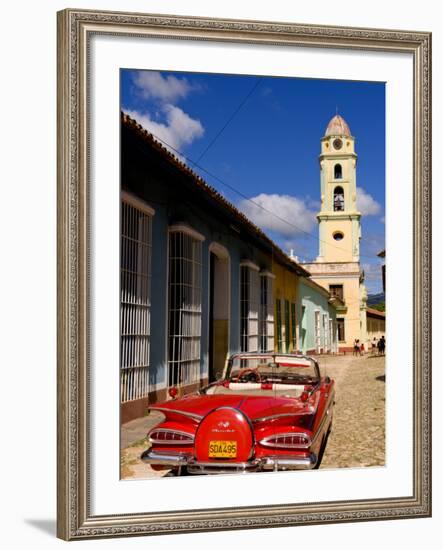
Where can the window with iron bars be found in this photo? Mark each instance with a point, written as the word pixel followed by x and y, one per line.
pixel 266 313
pixel 326 330
pixel 249 308
pixel 331 336
pixel 185 311
pixel 317 332
pixel 135 300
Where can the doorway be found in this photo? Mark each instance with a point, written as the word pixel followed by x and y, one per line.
pixel 219 307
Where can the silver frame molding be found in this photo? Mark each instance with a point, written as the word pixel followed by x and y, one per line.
pixel 74 519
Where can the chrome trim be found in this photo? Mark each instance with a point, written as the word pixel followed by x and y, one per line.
pixel 265 442
pixel 195 467
pixel 290 463
pixel 184 413
pixel 281 415
pixel 170 441
pixel 164 459
pixel 275 463
pixel 320 428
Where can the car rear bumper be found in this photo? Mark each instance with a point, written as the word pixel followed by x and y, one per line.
pixel 268 463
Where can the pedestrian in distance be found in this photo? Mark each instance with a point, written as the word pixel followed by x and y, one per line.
pixel 381 345
pixel 374 346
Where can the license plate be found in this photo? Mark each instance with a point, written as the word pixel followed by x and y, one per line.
pixel 222 449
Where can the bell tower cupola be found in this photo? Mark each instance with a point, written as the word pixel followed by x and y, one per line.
pixel 339 220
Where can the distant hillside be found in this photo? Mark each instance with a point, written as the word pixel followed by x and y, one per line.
pixel 374 299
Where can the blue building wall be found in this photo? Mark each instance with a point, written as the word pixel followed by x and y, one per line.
pixel 177 199
pixel 172 205
pixel 213 232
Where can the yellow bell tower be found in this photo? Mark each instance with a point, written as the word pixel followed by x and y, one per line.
pixel 339 220
pixel 337 267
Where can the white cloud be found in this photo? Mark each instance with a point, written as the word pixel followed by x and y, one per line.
pixel 286 207
pixel 366 204
pixel 373 278
pixel 372 272
pixel 152 84
pixel 178 130
pixel 372 243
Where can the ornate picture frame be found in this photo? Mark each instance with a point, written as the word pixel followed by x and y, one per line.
pixel 75 29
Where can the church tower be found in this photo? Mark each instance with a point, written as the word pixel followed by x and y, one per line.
pixel 337 267
pixel 339 220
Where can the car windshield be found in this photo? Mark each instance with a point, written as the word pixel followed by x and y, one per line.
pixel 272 368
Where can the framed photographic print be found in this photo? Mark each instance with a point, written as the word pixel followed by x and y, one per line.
pixel 244 274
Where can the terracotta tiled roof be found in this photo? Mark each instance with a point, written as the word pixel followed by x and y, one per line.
pixel 375 312
pixel 338 127
pixel 200 183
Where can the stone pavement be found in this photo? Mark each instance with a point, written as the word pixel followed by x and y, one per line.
pixel 358 434
pixel 135 430
pixel 133 442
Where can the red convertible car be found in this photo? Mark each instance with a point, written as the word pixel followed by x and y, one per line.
pixel 268 412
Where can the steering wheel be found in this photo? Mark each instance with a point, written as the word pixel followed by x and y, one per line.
pixel 241 375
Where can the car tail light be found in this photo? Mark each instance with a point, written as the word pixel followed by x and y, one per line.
pixel 171 437
pixel 287 441
pixel 173 391
pixel 304 396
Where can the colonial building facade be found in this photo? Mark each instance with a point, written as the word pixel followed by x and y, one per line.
pixel 337 267
pixel 200 281
pixel 376 324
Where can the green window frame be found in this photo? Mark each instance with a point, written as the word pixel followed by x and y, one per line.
pixel 287 326
pixel 279 325
pixel 293 327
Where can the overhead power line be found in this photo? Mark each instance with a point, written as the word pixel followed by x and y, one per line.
pixel 223 128
pixel 229 186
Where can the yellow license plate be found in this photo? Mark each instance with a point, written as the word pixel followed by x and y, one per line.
pixel 222 449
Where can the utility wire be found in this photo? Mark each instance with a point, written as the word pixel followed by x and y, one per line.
pixel 299 229
pixel 223 128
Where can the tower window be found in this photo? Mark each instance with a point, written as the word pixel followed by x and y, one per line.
pixel 338 172
pixel 339 199
pixel 338 236
pixel 337 291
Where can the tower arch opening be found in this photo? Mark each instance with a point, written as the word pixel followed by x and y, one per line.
pixel 338 172
pixel 339 199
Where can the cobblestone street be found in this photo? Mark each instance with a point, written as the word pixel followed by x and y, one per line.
pixel 358 433
pixel 357 438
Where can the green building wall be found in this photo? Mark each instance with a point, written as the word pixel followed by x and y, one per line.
pixel 311 298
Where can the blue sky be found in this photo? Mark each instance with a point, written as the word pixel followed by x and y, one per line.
pixel 261 137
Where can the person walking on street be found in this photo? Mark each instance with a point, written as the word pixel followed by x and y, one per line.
pixel 381 346
pixel 356 348
pixel 374 346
